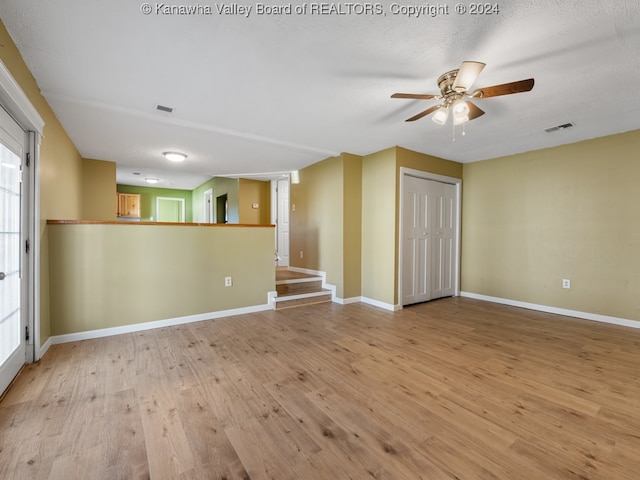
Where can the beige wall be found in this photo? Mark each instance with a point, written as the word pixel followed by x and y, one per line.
pixel 250 192
pixel 317 222
pixel 426 163
pixel 99 190
pixel 352 225
pixel 61 173
pixel 532 219
pixel 326 222
pixel 381 213
pixel 378 220
pixel 346 219
pixel 112 275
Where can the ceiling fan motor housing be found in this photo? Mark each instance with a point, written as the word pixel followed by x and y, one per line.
pixel 445 82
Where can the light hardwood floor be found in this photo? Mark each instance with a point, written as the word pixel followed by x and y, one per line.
pixel 452 389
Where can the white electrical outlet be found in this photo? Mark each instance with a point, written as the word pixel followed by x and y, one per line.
pixel 566 283
pixel 228 281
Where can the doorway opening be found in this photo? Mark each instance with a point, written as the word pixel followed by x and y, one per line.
pixel 170 209
pixel 22 129
pixel 13 259
pixel 280 217
pixel 222 209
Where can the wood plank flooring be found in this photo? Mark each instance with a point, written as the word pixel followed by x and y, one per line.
pixel 452 389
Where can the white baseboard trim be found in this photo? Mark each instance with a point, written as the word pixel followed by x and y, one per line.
pixel 379 304
pixel 347 301
pixel 44 347
pixel 271 299
pixel 559 311
pixel 138 327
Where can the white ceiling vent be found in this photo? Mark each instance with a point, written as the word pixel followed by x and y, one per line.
pixel 564 126
pixel 165 109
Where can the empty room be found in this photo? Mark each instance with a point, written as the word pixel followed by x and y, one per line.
pixel 300 240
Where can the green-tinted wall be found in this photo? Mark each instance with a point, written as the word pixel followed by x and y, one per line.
pixel 221 186
pixel 148 196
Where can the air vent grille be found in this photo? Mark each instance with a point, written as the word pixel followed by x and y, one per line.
pixel 165 109
pixel 564 126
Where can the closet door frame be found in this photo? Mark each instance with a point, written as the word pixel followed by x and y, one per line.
pixel 457 182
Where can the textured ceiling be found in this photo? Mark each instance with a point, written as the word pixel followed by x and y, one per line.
pixel 273 93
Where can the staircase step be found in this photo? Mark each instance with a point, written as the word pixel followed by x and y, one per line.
pixel 295 289
pixel 297 300
pixel 292 287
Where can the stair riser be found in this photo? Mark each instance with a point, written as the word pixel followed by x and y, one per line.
pixel 296 288
pixel 299 302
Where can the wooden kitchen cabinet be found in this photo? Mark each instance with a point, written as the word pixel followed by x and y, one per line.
pixel 128 204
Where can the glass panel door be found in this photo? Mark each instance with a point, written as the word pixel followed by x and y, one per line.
pixel 12 323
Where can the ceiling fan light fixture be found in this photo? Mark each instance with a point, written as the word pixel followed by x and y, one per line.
pixel 460 108
pixel 460 112
pixel 441 115
pixel 175 156
pixel 459 119
pixel 454 88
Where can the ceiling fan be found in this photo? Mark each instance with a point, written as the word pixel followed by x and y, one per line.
pixel 454 87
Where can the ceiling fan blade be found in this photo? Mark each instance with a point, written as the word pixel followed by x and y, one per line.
pixel 423 114
pixel 504 89
pixel 467 74
pixel 416 96
pixel 474 112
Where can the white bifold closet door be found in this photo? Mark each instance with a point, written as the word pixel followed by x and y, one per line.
pixel 429 231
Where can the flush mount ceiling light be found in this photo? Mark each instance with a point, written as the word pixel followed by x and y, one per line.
pixel 151 180
pixel 175 156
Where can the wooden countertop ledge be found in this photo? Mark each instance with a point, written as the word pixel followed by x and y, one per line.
pixel 172 224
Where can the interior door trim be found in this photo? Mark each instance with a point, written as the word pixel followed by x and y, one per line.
pixel 17 104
